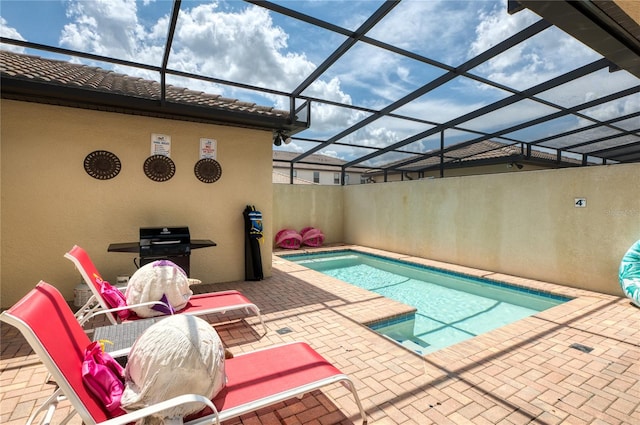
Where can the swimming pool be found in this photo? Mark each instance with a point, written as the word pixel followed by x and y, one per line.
pixel 450 307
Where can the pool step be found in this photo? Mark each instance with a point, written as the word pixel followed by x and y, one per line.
pixel 412 343
pixel 327 259
pixel 415 344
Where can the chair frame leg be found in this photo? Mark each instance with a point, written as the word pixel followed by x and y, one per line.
pixel 50 406
pixel 348 384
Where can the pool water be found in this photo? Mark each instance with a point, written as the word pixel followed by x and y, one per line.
pixel 450 307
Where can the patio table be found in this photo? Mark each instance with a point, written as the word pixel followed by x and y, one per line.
pixel 119 338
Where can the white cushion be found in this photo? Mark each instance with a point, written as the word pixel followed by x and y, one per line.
pixel 153 281
pixel 181 354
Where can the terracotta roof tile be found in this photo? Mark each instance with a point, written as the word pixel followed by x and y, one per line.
pixel 483 150
pixel 285 179
pixel 63 73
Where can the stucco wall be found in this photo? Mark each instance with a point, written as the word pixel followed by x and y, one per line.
pixel 524 224
pixel 49 203
pixel 631 8
pixel 299 206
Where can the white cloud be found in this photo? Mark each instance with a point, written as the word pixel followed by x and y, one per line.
pixel 241 45
pixel 540 58
pixel 495 25
pixel 331 153
pixel 104 27
pixel 590 87
pixel 295 147
pixel 617 108
pixel 516 113
pixel 439 110
pixel 433 26
pixel 10 32
pixel 328 120
pixel 377 136
pixel 329 90
pixel 384 78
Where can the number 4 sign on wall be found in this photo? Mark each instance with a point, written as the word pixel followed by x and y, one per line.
pixel 580 202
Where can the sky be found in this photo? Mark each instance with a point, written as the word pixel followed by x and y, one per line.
pixel 237 41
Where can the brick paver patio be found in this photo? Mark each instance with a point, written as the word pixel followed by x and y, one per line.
pixel 523 373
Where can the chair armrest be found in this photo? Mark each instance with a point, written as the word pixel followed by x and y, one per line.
pixel 120 353
pixel 127 307
pixel 150 410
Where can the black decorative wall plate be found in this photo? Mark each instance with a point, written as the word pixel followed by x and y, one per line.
pixel 159 168
pixel 102 165
pixel 207 170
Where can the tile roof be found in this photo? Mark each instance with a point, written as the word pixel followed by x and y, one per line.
pixel 317 158
pixel 63 74
pixel 281 159
pixel 284 179
pixel 486 150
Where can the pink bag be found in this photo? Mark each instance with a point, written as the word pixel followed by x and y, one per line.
pixel 104 377
pixel 114 298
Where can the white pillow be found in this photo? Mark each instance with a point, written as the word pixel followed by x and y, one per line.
pixel 153 281
pixel 181 354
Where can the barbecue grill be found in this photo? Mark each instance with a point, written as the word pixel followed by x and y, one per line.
pixel 165 243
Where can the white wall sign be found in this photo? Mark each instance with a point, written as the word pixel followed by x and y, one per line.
pixel 208 148
pixel 160 144
pixel 580 202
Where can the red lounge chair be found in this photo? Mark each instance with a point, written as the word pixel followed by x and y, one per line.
pixel 201 304
pixel 255 379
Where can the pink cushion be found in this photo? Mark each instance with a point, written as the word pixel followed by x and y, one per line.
pixel 288 238
pixel 312 237
pixel 114 298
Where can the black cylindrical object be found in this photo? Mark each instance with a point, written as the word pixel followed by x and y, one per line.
pixel 252 239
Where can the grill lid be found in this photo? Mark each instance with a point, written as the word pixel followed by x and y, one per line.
pixel 164 241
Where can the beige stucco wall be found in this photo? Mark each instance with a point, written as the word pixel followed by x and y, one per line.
pixel 299 206
pixel 631 8
pixel 524 224
pixel 518 223
pixel 49 203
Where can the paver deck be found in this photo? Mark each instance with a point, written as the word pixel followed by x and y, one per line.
pixel 523 373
